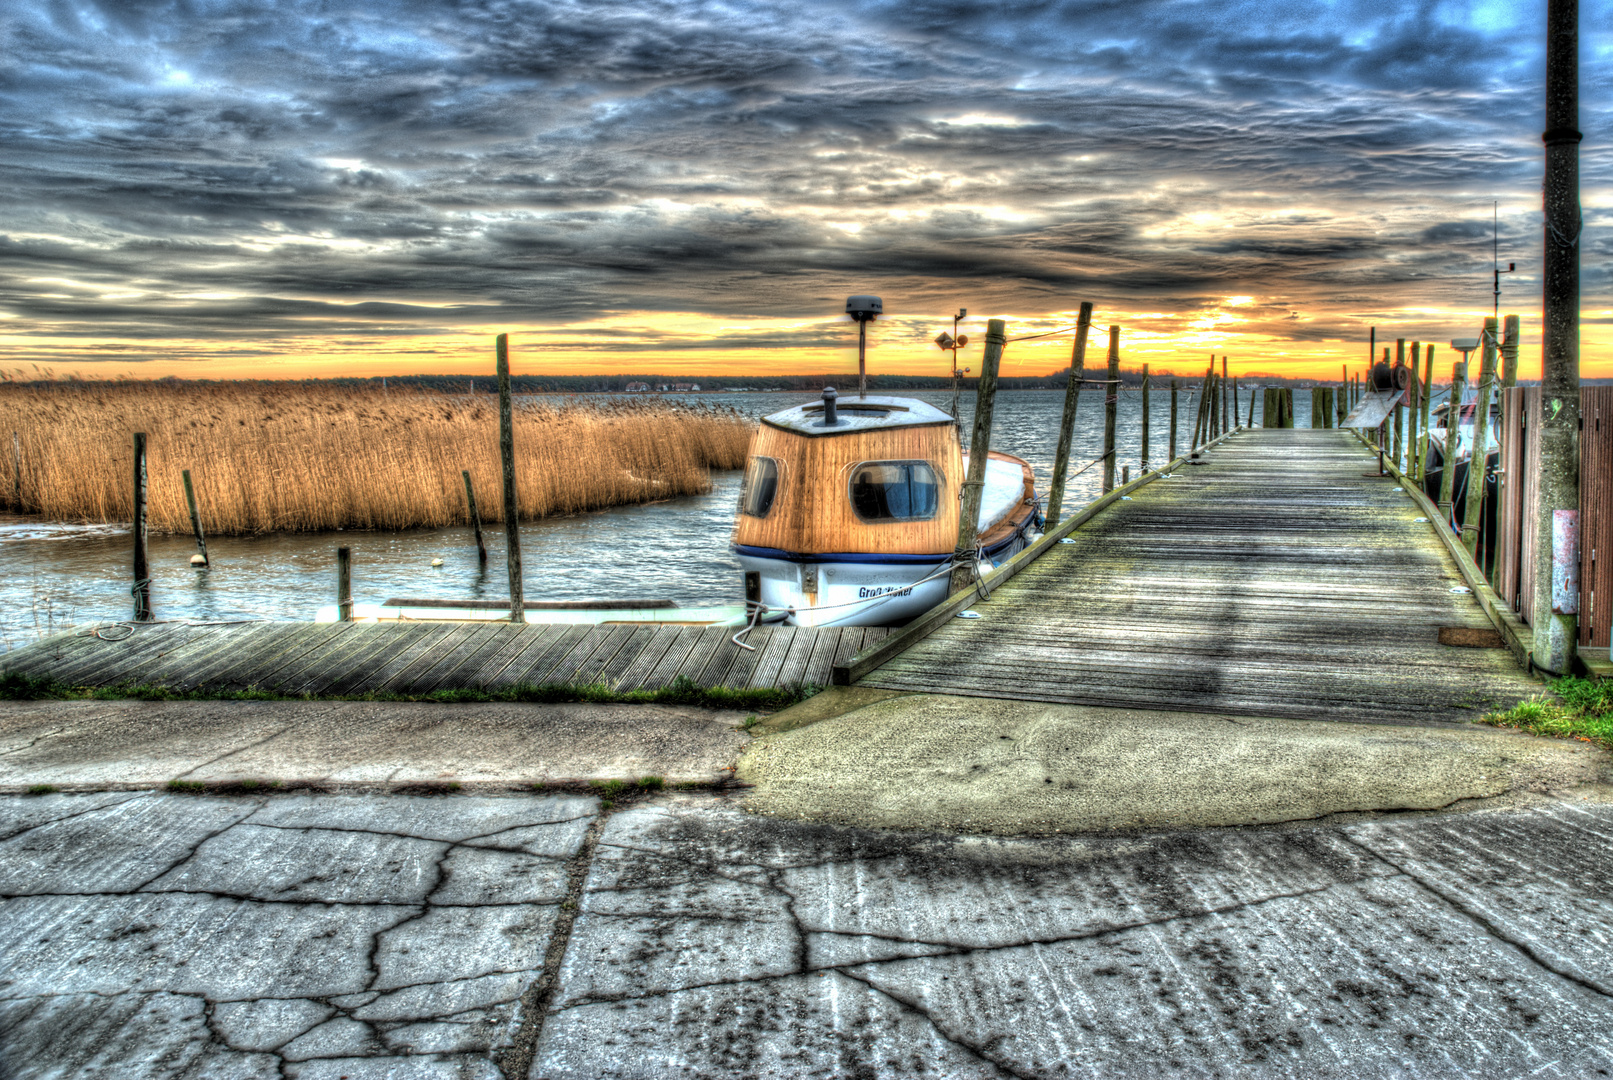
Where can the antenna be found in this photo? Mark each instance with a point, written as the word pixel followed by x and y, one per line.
pixel 863 310
pixel 1495 254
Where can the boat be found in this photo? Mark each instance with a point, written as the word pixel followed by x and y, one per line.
pixel 848 513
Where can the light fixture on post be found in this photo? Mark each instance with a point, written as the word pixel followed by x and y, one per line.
pixel 863 310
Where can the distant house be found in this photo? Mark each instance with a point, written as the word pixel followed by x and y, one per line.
pixel 684 387
pixel 638 387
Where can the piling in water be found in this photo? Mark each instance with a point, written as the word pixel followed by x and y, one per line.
pixel 195 517
pixel 964 566
pixel 1111 402
pixel 1144 459
pixel 1173 419
pixel 475 518
pixel 1072 399
pixel 1453 424
pixel 344 584
pixel 1481 437
pixel 142 562
pixel 506 449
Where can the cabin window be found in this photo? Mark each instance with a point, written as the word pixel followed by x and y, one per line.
pixel 760 487
pixel 895 491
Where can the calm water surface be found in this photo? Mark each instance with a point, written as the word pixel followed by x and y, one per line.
pixel 53 576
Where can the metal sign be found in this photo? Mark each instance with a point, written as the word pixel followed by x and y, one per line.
pixel 1373 408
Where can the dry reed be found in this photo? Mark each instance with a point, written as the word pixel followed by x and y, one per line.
pixel 302 457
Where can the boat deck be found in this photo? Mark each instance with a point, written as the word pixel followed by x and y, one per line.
pixel 413 659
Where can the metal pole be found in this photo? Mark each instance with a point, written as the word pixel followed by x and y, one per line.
pixel 862 358
pixel 506 449
pixel 1556 599
pixel 1072 399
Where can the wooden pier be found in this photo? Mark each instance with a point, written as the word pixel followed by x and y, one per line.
pixel 414 659
pixel 1274 579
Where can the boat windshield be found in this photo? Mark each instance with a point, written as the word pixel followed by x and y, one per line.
pixel 760 487
pixel 895 491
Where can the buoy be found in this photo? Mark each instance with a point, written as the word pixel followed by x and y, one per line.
pixel 436 562
pixel 198 560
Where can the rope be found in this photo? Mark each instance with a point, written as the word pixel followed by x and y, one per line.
pixel 128 625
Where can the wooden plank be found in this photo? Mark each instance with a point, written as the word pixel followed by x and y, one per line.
pixel 241 639
pixel 522 636
pixel 851 643
pixel 633 676
pixel 772 658
pixel 356 648
pixel 292 647
pixel 739 672
pixel 539 666
pixel 369 671
pixel 49 654
pixel 175 665
pixel 566 666
pixel 406 668
pixel 612 673
pixel 821 663
pixel 111 663
pixel 667 669
pixel 587 672
pixel 464 674
pixel 705 645
pixel 334 644
pixel 532 652
pixel 795 661
pixel 717 667
pixel 423 679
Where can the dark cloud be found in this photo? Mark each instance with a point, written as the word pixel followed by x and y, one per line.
pixel 248 168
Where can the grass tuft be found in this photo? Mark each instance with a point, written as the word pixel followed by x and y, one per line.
pixel 186 787
pixel 15 686
pixel 651 783
pixel 43 789
pixel 1572 709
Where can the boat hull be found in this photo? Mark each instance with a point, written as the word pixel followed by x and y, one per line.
pixel 860 588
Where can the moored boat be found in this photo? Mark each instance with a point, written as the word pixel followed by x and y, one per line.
pixel 849 511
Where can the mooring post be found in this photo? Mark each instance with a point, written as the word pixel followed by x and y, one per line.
pixel 1414 414
pixel 1477 464
pixel 1072 400
pixel 1428 410
pixel 16 473
pixel 1453 428
pixel 1288 408
pixel 1143 464
pixel 142 561
pixel 1198 414
pixel 1556 596
pixel 1227 404
pixel 344 584
pixel 1251 422
pixel 1509 352
pixel 1214 428
pixel 506 449
pixel 195 518
pixel 1173 418
pixel 965 561
pixel 1111 405
pixel 475 518
pixel 1125 475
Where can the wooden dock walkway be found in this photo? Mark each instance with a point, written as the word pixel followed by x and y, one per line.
pixel 414 659
pixel 1272 580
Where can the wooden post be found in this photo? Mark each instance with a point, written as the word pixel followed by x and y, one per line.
pixel 1428 403
pixel 16 473
pixel 1556 597
pixel 1215 405
pixel 506 449
pixel 1203 409
pixel 1125 475
pixel 1509 352
pixel 1316 406
pixel 1072 400
pixel 195 517
pixel 1288 407
pixel 1173 419
pixel 142 561
pixel 1251 422
pixel 344 584
pixel 1453 427
pixel 1481 436
pixel 1395 446
pixel 1143 464
pixel 1268 407
pixel 475 518
pixel 1414 414
pixel 965 564
pixel 1111 404
pixel 1227 405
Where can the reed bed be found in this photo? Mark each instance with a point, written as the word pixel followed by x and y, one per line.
pixel 298 457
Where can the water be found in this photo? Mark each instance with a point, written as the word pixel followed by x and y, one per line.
pixel 56 576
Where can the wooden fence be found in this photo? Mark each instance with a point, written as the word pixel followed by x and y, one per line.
pixel 1513 573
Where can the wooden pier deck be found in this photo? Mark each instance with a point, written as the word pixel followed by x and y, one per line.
pixel 1272 580
pixel 415 659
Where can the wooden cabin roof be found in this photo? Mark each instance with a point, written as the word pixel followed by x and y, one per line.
pixel 858 415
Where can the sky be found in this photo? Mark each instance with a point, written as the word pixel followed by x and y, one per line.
pixel 243 188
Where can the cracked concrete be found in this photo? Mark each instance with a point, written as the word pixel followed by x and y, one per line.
pixel 144 743
pixel 285 936
pixel 308 936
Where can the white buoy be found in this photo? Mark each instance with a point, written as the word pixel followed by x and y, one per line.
pixel 436 562
pixel 197 560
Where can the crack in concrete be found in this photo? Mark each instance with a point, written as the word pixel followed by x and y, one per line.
pixel 77 813
pixel 1483 921
pixel 32 742
pixel 515 1062
pixel 910 1006
pixel 194 848
pixel 236 750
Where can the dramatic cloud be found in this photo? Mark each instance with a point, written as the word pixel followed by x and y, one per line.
pixel 211 180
